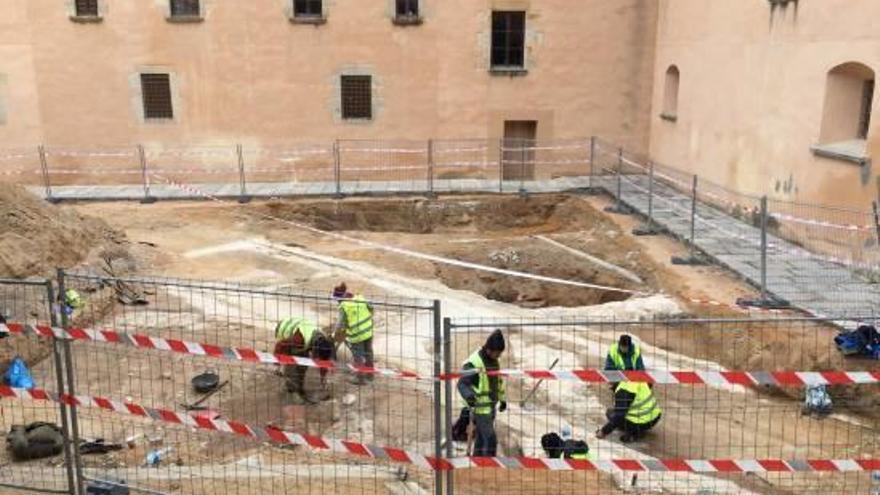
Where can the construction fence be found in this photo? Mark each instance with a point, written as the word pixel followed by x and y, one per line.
pixel 115 377
pixel 778 246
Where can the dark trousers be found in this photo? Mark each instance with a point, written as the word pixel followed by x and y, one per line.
pixel 295 376
pixel 485 440
pixel 363 356
pixel 639 430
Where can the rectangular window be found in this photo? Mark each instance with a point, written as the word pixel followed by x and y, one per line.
pixel 156 93
pixel 865 114
pixel 307 8
pixel 185 8
pixel 508 39
pixel 407 8
pixel 357 97
pixel 86 8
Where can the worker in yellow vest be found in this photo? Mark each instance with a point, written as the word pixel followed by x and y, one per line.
pixel 355 319
pixel 300 337
pixel 482 392
pixel 635 412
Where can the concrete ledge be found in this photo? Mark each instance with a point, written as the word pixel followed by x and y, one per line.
pixel 508 71
pixel 314 20
pixel 406 20
pixel 87 19
pixel 184 19
pixel 848 151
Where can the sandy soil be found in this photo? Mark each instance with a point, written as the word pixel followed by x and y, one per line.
pixel 212 241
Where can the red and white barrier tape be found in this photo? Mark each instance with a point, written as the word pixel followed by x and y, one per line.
pixel 821 223
pixel 321 444
pixel 668 377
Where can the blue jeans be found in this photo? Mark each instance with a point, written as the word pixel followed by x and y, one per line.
pixel 363 356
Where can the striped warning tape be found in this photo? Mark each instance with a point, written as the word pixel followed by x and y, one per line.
pixel 667 377
pixel 320 444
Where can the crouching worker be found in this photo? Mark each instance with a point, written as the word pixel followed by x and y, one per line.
pixel 555 447
pixel 300 337
pixel 635 411
pixel 483 392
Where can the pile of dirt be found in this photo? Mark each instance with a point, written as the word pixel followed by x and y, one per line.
pixel 545 213
pixel 39 237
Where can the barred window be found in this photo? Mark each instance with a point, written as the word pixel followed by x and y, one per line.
pixel 307 8
pixel 407 8
pixel 86 8
pixel 508 38
pixel 357 97
pixel 156 93
pixel 185 8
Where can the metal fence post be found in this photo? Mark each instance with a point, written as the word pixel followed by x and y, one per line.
pixel 145 175
pixel 242 195
pixel 763 248
pixel 618 203
pixel 438 418
pixel 44 170
pixel 57 350
pixel 430 167
pixel 447 389
pixel 650 227
pixel 876 221
pixel 501 165
pixel 592 162
pixel 337 171
pixel 522 168
pixel 71 391
pixel 693 258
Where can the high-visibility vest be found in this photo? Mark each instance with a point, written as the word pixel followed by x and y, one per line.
pixel 619 360
pixel 286 328
pixel 644 408
pixel 358 320
pixel 588 456
pixel 73 299
pixel 483 391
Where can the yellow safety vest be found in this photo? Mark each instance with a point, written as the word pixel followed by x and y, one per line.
pixel 358 319
pixel 583 457
pixel 483 391
pixel 73 299
pixel 644 408
pixel 618 358
pixel 286 327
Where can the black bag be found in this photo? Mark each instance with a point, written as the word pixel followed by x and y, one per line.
pixel 34 441
pixel 459 429
pixel 574 447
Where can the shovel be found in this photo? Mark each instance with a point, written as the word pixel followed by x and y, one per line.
pixel 523 402
pixel 197 405
pixel 470 432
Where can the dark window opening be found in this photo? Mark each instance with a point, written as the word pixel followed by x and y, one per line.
pixel 357 97
pixel 508 39
pixel 307 8
pixel 86 8
pixel 185 8
pixel 865 113
pixel 407 8
pixel 156 92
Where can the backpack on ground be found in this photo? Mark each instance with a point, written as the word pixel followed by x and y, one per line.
pixel 18 375
pixel 817 400
pixel 34 441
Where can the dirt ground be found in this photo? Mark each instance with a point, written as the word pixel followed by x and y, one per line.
pixel 237 243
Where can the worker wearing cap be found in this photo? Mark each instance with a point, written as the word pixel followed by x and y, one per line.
pixel 483 392
pixel 300 337
pixel 624 356
pixel 355 318
pixel 635 411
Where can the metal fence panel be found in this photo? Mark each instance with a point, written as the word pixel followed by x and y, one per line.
pixel 698 422
pixel 387 411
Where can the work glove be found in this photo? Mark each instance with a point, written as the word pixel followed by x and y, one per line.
pixel 503 406
pixel 471 401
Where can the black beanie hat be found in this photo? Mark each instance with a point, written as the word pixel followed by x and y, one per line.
pixel 495 342
pixel 625 341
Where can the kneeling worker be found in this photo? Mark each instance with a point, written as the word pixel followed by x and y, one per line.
pixel 635 411
pixel 482 392
pixel 300 337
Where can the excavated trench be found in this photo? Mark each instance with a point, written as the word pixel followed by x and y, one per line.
pixel 500 231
